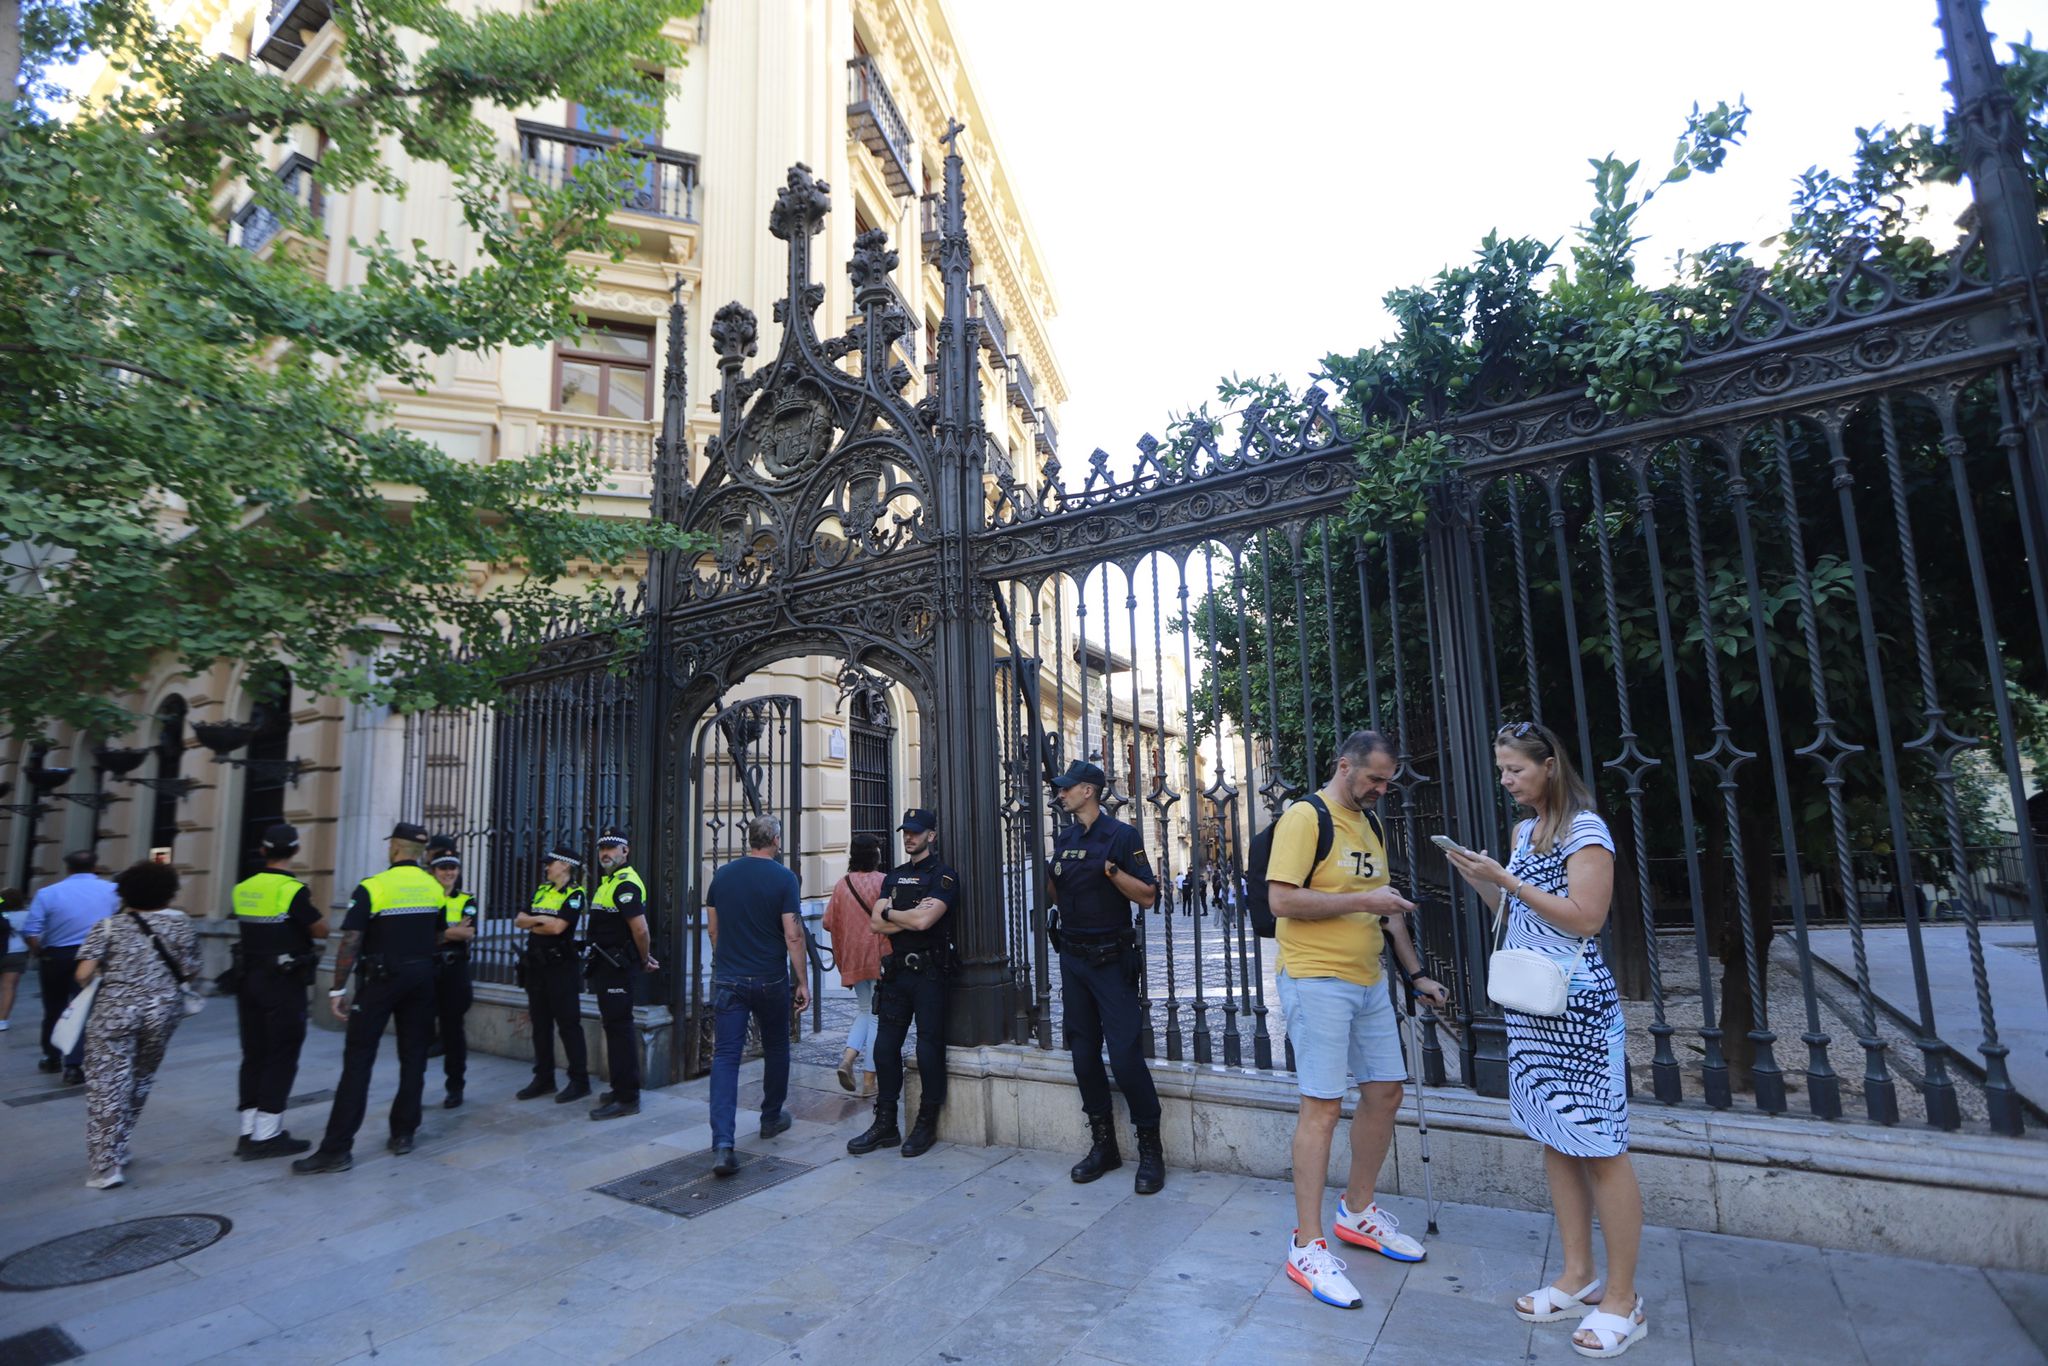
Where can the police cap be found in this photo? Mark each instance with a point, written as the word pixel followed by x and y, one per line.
pixel 612 835
pixel 1081 771
pixel 919 819
pixel 566 854
pixel 281 839
pixel 409 831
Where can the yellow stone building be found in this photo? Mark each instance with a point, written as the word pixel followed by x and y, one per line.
pixel 860 90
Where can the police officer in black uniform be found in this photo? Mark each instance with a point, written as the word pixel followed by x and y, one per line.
pixel 553 977
pixel 394 918
pixel 914 912
pixel 1098 870
pixel 275 960
pixel 619 952
pixel 453 994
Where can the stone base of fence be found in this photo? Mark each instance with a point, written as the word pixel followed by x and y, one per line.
pixel 1973 1199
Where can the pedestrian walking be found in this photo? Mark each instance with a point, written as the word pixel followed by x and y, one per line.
pixel 453 993
pixel 143 953
pixel 620 952
pixel 1099 872
pixel 752 914
pixel 277 959
pixel 914 912
pixel 388 943
pixel 57 922
pixel 1327 884
pixel 858 950
pixel 1567 1072
pixel 13 951
pixel 553 979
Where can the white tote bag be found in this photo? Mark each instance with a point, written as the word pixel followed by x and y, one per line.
pixel 70 1026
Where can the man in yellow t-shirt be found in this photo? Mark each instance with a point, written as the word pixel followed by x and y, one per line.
pixel 1340 1017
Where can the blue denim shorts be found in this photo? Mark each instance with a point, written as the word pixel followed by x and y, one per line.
pixel 1340 1031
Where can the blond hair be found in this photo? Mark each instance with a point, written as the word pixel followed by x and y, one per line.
pixel 1565 794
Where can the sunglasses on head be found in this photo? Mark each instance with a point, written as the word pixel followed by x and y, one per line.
pixel 1519 730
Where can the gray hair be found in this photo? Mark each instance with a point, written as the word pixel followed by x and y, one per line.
pixel 764 832
pixel 1361 745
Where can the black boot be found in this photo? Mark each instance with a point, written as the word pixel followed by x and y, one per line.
pixel 923 1134
pixel 1103 1157
pixel 881 1134
pixel 1151 1177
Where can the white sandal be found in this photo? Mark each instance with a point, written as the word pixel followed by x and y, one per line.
pixel 1549 1304
pixel 1614 1333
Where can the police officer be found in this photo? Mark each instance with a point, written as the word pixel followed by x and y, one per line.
pixel 913 911
pixel 619 953
pixel 394 919
pixel 553 979
pixel 452 992
pixel 276 959
pixel 1098 870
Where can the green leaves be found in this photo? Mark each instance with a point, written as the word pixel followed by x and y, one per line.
pixel 190 440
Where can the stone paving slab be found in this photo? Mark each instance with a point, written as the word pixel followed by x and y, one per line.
pixel 487 1245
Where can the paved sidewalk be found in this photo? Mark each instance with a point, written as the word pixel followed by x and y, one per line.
pixel 487 1244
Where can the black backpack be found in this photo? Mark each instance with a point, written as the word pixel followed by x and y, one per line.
pixel 1263 922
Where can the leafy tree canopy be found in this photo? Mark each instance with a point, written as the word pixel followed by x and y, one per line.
pixel 194 461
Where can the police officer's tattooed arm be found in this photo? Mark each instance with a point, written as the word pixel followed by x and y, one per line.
pixel 922 916
pixel 1131 875
pixel 545 925
pixel 627 899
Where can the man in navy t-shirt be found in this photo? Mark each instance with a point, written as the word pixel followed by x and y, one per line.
pixel 757 962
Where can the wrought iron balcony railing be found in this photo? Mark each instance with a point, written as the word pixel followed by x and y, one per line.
pixel 666 186
pixel 872 116
pixel 994 335
pixel 929 229
pixel 1048 435
pixel 1022 395
pixel 290 20
pixel 254 224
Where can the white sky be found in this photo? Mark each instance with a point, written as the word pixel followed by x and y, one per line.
pixel 1233 187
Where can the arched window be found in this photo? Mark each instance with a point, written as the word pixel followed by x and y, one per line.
pixel 170 759
pixel 264 776
pixel 872 733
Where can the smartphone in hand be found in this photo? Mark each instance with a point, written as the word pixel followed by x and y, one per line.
pixel 1448 845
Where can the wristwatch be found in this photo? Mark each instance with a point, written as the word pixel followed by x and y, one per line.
pixel 885 913
pixel 337 993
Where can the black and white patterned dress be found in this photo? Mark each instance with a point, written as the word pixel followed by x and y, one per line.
pixel 1567 1074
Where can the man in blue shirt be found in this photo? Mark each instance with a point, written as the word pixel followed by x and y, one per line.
pixel 56 925
pixel 757 962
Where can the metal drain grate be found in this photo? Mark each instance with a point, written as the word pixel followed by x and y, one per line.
pixel 116 1250
pixel 40 1096
pixel 39 1347
pixel 687 1187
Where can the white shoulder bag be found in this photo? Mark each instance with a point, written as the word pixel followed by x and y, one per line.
pixel 64 1034
pixel 1524 980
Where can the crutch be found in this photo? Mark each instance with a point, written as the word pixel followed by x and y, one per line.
pixel 1415 1055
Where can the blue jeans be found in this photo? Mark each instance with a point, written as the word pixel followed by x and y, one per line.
pixel 733 1001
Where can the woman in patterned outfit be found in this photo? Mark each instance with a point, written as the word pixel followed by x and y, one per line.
pixel 1568 1074
pixel 135 1012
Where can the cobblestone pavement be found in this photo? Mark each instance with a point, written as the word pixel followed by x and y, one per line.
pixel 489 1243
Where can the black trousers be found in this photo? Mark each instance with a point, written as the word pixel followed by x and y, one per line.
pixel 452 999
pixel 54 969
pixel 901 997
pixel 271 1010
pixel 553 1002
pixel 408 996
pixel 1101 1003
pixel 614 989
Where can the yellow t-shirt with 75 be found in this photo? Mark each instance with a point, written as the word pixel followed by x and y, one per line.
pixel 1343 946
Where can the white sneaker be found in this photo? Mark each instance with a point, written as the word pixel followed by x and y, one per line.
pixel 107 1182
pixel 4 1026
pixel 1317 1271
pixel 1378 1231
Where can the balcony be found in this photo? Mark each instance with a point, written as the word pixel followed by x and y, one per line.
pixel 292 22
pixel 624 446
pixel 1021 393
pixel 994 335
pixel 665 188
pixel 254 225
pixel 872 117
pixel 1048 440
pixel 930 228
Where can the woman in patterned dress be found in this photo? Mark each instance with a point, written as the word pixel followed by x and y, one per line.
pixel 1568 1074
pixel 135 1012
